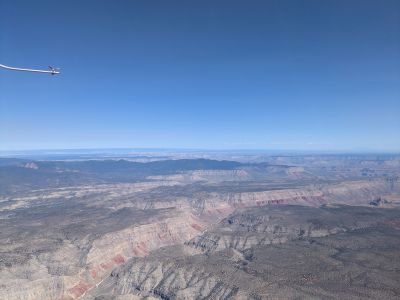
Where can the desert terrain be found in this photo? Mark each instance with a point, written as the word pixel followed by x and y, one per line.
pixel 200 226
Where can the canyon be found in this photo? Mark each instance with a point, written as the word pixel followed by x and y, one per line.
pixel 200 228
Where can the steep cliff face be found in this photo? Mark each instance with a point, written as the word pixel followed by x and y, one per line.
pixel 115 248
pixel 353 192
pixel 323 254
pixel 171 273
pixel 72 268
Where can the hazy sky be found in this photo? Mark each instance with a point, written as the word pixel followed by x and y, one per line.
pixel 319 75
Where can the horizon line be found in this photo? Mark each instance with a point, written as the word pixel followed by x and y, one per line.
pixel 196 149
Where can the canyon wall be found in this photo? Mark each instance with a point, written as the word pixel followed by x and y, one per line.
pixel 70 267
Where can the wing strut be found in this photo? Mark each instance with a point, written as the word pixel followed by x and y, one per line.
pixel 51 70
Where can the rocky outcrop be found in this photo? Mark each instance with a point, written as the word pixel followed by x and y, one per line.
pixel 31 165
pixel 267 225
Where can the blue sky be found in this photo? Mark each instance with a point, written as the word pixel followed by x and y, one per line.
pixel 317 75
